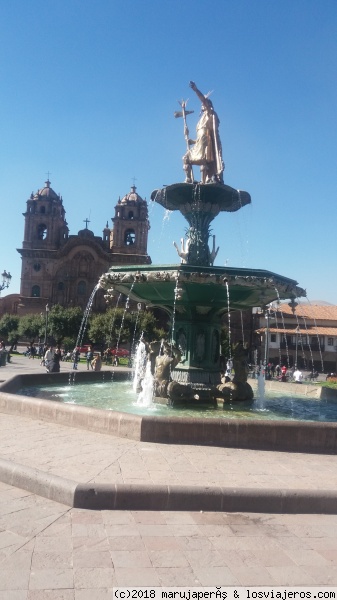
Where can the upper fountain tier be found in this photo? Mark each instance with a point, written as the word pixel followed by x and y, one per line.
pixel 209 199
pixel 200 203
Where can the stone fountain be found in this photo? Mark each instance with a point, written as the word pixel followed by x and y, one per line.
pixel 195 293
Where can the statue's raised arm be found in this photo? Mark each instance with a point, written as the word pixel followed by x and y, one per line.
pixel 206 151
pixel 200 95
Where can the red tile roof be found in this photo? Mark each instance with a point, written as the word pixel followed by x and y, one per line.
pixel 311 311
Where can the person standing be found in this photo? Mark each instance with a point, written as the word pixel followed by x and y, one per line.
pixel 48 357
pixel 76 358
pixel 298 377
pixel 284 373
pixel 96 363
pixel 89 357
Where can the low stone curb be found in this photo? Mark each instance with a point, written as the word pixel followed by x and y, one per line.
pixel 166 497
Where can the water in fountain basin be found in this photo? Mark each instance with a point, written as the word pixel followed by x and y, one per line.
pixel 120 396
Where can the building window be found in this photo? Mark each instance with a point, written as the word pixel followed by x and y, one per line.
pixel 129 237
pixel 81 288
pixel 37 267
pixel 36 291
pixel 60 286
pixel 131 214
pixel 42 232
pixel 42 209
pixel 273 337
pixel 330 341
pixel 83 267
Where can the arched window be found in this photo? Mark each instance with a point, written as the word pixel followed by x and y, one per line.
pixel 81 288
pixel 60 286
pixel 83 267
pixel 42 231
pixel 42 209
pixel 131 214
pixel 129 237
pixel 36 291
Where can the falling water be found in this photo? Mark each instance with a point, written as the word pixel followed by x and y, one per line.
pixel 145 397
pixel 139 306
pixel 177 294
pixel 261 384
pixel 139 365
pixel 165 221
pixel 127 302
pixel 284 328
pixel 318 340
pixel 279 345
pixel 229 322
pixel 299 335
pixel 308 338
pixel 230 361
pixel 242 328
pixel 113 319
pixel 71 378
pixel 86 314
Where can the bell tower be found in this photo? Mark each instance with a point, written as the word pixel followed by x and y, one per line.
pixel 45 224
pixel 45 232
pixel 128 238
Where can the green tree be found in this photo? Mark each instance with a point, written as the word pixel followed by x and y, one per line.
pixel 9 329
pixel 64 323
pixel 31 327
pixel 118 325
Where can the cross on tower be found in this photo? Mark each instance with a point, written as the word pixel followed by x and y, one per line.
pixel 86 221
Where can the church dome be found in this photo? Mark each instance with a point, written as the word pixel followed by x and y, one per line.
pixel 86 233
pixel 47 192
pixel 132 196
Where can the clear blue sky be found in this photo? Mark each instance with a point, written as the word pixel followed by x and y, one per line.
pixel 88 92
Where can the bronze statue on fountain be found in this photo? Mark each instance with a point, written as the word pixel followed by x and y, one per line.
pixel 206 150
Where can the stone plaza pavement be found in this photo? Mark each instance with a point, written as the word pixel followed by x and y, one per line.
pixel 51 551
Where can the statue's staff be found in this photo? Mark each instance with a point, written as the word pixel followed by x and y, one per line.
pixel 183 114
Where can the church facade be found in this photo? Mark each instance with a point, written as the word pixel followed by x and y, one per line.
pixel 59 268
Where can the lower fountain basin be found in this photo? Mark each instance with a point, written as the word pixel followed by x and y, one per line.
pixel 252 433
pixel 119 396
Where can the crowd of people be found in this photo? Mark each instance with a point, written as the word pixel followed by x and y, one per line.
pixel 50 357
pixel 283 373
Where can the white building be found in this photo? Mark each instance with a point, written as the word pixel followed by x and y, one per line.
pixel 304 335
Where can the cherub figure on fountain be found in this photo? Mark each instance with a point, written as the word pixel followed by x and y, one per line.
pixel 238 388
pixel 165 362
